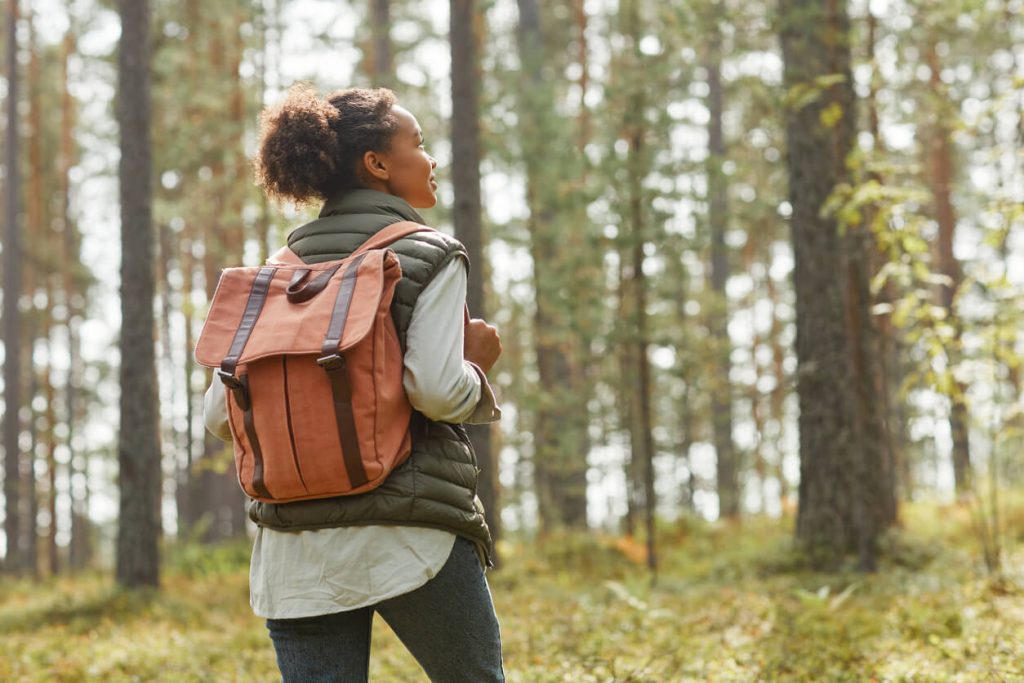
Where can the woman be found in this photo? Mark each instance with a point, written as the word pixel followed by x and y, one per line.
pixel 414 549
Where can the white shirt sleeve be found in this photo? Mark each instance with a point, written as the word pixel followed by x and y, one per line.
pixel 215 411
pixel 440 383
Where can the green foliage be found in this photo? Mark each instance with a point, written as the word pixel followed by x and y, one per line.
pixel 194 559
pixel 803 95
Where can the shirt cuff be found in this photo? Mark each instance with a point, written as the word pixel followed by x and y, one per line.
pixel 215 411
pixel 487 409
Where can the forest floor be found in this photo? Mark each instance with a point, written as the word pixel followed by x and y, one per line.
pixel 731 604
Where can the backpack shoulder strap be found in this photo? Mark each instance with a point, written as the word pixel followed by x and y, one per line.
pixel 284 257
pixel 390 234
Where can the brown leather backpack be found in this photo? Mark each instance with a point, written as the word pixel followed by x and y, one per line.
pixel 313 368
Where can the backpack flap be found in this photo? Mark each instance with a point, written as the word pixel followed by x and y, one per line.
pixel 252 316
pixel 297 343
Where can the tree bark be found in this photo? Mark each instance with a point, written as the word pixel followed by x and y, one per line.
pixel 583 58
pixel 79 549
pixel 777 400
pixel 382 68
pixel 14 560
pixel 940 168
pixel 887 348
pixel 216 499
pixel 686 374
pixel 30 489
pixel 467 213
pixel 38 226
pixel 561 441
pixel 138 448
pixel 836 506
pixel 718 316
pixel 641 423
pixel 184 491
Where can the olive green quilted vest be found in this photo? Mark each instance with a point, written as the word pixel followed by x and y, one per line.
pixel 436 486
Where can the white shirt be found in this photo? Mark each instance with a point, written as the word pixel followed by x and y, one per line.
pixel 309 573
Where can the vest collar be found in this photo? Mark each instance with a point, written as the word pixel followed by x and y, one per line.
pixel 363 201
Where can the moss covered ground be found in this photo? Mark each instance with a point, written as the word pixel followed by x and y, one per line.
pixel 731 603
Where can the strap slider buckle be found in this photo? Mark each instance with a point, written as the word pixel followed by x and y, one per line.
pixel 331 362
pixel 229 380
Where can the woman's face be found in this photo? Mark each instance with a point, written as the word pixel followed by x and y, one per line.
pixel 408 169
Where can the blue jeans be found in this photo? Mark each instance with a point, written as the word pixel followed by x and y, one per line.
pixel 448 624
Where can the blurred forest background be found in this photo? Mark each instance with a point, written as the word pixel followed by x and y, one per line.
pixel 757 267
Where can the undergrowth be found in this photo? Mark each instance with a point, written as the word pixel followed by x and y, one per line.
pixel 730 602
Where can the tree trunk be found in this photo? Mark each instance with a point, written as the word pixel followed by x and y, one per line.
pixel 777 400
pixel 77 471
pixel 583 58
pixel 14 560
pixel 685 372
pixel 30 488
pixel 893 423
pixel 166 255
pixel 835 514
pixel 52 559
pixel 184 491
pixel 217 498
pixel 38 225
pixel 138 561
pixel 466 213
pixel 641 424
pixel 382 68
pixel 940 168
pixel 718 315
pixel 561 442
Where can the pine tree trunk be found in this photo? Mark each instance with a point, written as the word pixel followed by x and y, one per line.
pixel 777 400
pixel 626 354
pixel 893 423
pixel 52 559
pixel 681 292
pixel 49 435
pixel 641 424
pixel 29 491
pixel 940 166
pixel 186 488
pixel 184 491
pixel 561 442
pixel 78 545
pixel 836 505
pixel 583 58
pixel 38 225
pixel 874 510
pixel 382 68
pixel 138 561
pixel 467 213
pixel 30 488
pixel 166 254
pixel 218 500
pixel 718 315
pixel 14 560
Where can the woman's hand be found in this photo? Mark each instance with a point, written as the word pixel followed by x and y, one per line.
pixel 482 344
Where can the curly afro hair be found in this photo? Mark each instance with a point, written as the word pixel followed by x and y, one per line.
pixel 310 147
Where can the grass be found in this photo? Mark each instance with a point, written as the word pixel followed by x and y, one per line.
pixel 731 603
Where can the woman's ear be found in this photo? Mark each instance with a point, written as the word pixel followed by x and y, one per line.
pixel 375 165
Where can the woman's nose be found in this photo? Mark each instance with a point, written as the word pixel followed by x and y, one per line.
pixel 433 162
